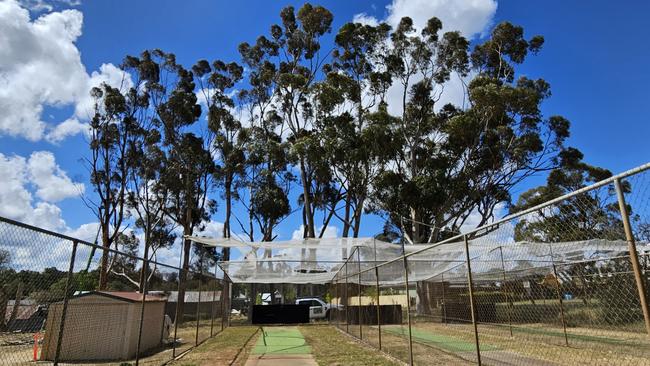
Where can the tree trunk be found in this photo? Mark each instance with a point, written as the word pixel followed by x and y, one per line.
pixel 143 274
pixel 187 246
pixel 253 299
pixel 14 309
pixel 357 218
pixel 225 256
pixel 4 299
pixel 226 223
pixel 103 269
pixel 311 233
pixel 346 223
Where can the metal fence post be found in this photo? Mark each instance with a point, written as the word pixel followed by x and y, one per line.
pixel 143 286
pixel 634 258
pixel 378 305
pixel 222 300
pixel 444 303
pixel 359 292
pixel 408 306
pixel 214 293
pixel 68 284
pixel 559 296
pixel 472 305
pixel 505 290
pixel 198 305
pixel 229 303
pixel 178 317
pixel 347 301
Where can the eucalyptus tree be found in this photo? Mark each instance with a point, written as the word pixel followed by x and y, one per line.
pixel 187 175
pixel 453 162
pixel 355 84
pixel 147 197
pixel 267 178
pixel 216 82
pixel 111 164
pixel 584 216
pixel 294 47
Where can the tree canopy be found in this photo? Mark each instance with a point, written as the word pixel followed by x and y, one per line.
pixel 302 126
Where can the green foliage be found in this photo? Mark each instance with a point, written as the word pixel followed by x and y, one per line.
pixel 317 127
pixel 585 216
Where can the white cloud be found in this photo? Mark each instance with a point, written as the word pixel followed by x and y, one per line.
pixel 86 232
pixel 47 215
pixel 52 183
pixel 212 229
pixel 16 200
pixel 474 218
pixel 40 66
pixel 470 17
pixel 330 232
pixel 67 128
pixel 45 5
pixel 18 175
pixel 109 74
pixel 366 19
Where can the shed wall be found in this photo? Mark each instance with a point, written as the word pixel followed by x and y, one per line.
pixel 101 328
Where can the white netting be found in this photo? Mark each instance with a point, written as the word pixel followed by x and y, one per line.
pixel 318 260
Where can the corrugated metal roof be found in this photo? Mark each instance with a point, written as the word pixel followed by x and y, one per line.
pixel 124 296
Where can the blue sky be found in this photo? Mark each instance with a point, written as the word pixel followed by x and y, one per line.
pixel 595 57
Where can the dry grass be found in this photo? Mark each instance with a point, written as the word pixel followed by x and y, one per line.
pixel 331 348
pixel 230 347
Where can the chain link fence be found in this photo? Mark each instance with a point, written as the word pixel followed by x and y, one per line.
pixel 562 283
pixel 53 311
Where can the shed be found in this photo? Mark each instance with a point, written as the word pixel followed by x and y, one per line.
pixel 210 301
pixel 104 326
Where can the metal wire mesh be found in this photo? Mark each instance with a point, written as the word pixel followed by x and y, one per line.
pixel 560 283
pixel 53 310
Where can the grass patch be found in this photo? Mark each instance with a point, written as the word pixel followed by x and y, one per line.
pixel 449 344
pixel 331 348
pixel 233 344
pixel 276 340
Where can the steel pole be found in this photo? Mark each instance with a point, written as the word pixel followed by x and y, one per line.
pixel 472 305
pixel 559 296
pixel 359 293
pixel 68 284
pixel 634 257
pixel 143 286
pixel 505 290
pixel 214 293
pixel 378 305
pixel 408 307
pixel 347 301
pixel 178 316
pixel 444 303
pixel 198 305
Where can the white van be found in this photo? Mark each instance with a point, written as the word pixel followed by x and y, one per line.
pixel 318 309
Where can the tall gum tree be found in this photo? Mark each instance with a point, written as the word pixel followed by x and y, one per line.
pixel 450 162
pixel 355 84
pixel 110 165
pixel 189 170
pixel 216 82
pixel 295 47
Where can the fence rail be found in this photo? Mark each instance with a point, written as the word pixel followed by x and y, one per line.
pixel 53 311
pixel 564 282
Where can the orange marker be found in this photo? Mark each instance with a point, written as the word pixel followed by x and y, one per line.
pixel 37 336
